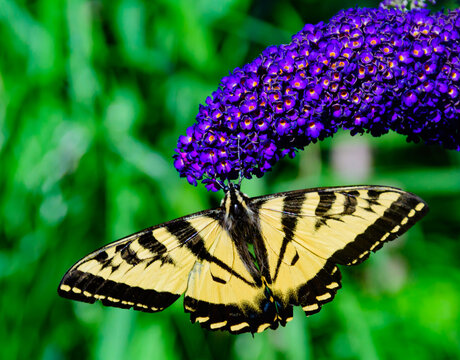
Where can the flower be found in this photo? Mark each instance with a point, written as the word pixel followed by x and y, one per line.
pixel 367 70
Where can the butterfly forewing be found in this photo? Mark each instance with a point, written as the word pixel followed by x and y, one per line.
pixel 147 270
pixel 298 238
pixel 312 230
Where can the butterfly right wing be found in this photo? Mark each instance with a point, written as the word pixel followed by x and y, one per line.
pixel 309 231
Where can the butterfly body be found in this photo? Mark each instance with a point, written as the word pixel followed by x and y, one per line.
pixel 244 265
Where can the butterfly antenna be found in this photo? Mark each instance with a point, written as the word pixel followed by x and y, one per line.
pixel 221 184
pixel 240 173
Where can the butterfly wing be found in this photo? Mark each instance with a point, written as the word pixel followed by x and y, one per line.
pixel 309 231
pixel 147 271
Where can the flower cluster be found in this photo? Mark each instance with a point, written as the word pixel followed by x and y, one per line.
pixel 367 70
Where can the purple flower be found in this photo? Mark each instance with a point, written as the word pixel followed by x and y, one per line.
pixel 367 70
pixel 409 98
pixel 262 125
pixel 314 129
pixel 282 126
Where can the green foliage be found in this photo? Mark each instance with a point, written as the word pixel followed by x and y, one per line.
pixel 93 95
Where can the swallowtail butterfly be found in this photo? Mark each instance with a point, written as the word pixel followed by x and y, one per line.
pixel 243 266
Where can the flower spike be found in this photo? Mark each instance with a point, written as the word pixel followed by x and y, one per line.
pixel 366 71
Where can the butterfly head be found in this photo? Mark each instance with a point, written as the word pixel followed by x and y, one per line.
pixel 236 203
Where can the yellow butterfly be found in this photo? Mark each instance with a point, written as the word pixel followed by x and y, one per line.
pixel 244 265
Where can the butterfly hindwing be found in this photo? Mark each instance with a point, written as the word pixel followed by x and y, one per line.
pixel 221 293
pixel 309 231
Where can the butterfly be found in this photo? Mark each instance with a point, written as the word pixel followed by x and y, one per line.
pixel 243 266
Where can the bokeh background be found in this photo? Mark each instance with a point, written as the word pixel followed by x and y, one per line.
pixel 93 96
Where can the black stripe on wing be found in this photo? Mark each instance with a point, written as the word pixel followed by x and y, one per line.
pixel 195 243
pixel 326 200
pixel 292 206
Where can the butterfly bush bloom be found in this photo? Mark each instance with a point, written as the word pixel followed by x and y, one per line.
pixel 366 71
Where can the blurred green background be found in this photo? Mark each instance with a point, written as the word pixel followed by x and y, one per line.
pixel 93 96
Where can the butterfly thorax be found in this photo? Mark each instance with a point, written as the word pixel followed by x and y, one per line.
pixel 238 211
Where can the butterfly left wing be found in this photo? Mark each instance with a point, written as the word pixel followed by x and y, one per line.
pixel 308 232
pixel 147 271
pixel 194 255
